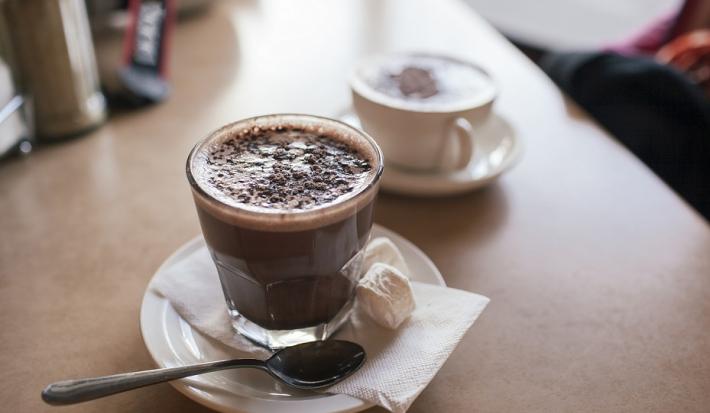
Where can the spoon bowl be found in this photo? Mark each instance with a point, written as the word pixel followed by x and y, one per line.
pixel 317 364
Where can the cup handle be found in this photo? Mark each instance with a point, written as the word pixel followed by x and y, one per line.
pixel 463 131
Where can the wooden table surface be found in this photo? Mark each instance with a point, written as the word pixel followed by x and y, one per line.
pixel 599 275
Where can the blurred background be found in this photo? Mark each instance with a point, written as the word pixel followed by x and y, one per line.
pixel 572 24
pixel 641 68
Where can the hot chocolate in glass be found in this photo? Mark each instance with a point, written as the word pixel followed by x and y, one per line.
pixel 285 203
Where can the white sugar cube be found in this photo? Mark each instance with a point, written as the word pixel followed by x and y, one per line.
pixel 385 295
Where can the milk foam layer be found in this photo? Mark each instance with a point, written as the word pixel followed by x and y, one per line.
pixel 422 81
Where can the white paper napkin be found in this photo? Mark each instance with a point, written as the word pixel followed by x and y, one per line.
pixel 400 363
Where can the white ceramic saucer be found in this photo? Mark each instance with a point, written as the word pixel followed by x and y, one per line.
pixel 172 342
pixel 497 149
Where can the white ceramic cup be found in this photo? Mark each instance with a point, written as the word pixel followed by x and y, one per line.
pixel 416 135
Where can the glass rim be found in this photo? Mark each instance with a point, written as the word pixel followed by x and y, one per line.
pixel 279 218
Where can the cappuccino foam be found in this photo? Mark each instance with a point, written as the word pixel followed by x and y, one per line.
pixel 422 81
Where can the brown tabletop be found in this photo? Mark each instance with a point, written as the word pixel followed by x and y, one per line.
pixel 599 274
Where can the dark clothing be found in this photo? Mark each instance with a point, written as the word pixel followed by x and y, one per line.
pixel 655 111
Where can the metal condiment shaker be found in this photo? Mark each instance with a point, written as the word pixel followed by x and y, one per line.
pixel 56 64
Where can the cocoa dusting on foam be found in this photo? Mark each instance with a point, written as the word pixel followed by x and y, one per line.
pixel 426 81
pixel 285 168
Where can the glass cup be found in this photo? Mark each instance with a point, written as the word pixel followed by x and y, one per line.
pixel 288 276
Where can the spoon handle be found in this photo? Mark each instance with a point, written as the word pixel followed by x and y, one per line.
pixel 81 390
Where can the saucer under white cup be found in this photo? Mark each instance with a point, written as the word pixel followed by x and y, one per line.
pixel 498 149
pixel 171 342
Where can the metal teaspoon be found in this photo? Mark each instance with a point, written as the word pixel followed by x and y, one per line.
pixel 305 366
